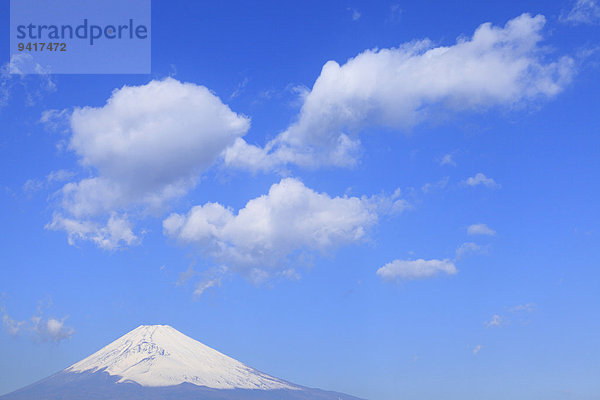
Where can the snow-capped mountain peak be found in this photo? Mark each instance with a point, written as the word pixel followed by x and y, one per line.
pixel 159 355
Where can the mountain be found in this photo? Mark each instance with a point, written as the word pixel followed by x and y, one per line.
pixel 157 362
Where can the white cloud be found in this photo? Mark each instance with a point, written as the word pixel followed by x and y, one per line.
pixel 206 284
pixel 477 349
pixel 516 311
pixel 33 185
pixel 469 248
pixel 56 120
pixel 481 179
pixel 146 146
pixel 389 204
pixel 448 159
pixel 395 13
pixel 496 320
pixel 583 12
pixel 274 229
pixel 53 116
pixel 355 14
pixel 529 307
pixel 116 232
pixel 24 64
pixel 14 328
pixel 400 87
pixel 439 185
pixel 416 269
pixel 291 274
pixel 61 175
pixel 209 278
pixel 186 275
pixel 239 89
pixel 480 229
pixel 38 327
pixel 52 329
pixel 22 71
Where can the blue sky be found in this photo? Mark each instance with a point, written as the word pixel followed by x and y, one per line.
pixel 418 222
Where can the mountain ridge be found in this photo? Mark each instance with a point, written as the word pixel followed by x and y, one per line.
pixel 159 355
pixel 157 362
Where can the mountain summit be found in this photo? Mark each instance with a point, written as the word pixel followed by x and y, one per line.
pixel 158 355
pixel 157 362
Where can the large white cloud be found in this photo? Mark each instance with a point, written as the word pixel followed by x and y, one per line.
pixel 145 146
pixel 400 87
pixel 263 237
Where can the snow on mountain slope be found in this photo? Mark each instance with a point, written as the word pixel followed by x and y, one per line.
pixel 159 355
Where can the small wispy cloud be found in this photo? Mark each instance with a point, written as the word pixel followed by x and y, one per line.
pixel 480 229
pixel 37 327
pixel 51 329
pixel 496 320
pixel 583 12
pixel 388 204
pixel 439 185
pixel 211 278
pixel 511 313
pixel 416 269
pixel 354 13
pixel 185 276
pixel 239 89
pixel 291 274
pixel 448 159
pixel 529 307
pixel 14 328
pixel 395 13
pixel 54 120
pixel 203 285
pixel 34 185
pixel 481 179
pixel 203 280
pixel 469 248
pixel 477 349
pixel 18 73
